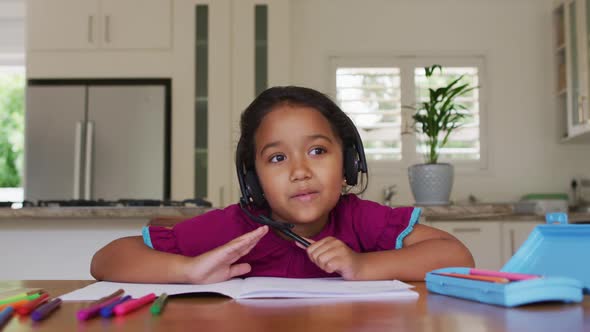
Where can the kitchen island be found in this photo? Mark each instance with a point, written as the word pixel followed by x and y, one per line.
pixel 58 242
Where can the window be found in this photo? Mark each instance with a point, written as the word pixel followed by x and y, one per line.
pixel 371 97
pixel 12 100
pixel 374 93
pixel 12 91
pixel 463 143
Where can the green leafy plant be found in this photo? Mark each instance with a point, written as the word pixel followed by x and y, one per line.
pixel 11 128
pixel 440 115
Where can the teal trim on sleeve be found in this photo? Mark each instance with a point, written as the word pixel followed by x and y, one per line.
pixel 145 232
pixel 413 220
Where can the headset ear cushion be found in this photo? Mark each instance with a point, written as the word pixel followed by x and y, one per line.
pixel 254 189
pixel 351 170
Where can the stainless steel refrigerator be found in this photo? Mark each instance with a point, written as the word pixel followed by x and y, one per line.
pixel 97 139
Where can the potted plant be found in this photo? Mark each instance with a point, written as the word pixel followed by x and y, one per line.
pixel 436 118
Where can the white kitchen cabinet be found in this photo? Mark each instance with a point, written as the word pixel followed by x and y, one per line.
pixel 62 25
pixel 483 238
pixel 492 243
pixel 58 248
pixel 572 59
pixel 514 233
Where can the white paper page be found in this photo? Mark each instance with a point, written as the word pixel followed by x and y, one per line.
pixel 100 289
pixel 322 301
pixel 324 287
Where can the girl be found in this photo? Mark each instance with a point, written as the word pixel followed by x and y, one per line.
pixel 298 152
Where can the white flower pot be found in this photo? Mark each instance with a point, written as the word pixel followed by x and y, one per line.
pixel 431 183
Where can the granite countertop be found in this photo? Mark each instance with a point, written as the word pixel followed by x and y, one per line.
pixel 467 212
pixel 100 212
pixel 488 212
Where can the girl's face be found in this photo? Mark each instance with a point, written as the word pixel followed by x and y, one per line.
pixel 299 163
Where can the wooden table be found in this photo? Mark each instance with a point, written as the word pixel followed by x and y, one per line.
pixel 430 312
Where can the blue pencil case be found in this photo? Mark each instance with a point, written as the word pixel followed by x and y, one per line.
pixel 554 252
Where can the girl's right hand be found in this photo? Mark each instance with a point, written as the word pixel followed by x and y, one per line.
pixel 216 265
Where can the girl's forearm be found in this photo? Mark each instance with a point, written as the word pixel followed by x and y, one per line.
pixel 130 260
pixel 412 262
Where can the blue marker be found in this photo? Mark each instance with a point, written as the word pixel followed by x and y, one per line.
pixel 5 315
pixel 107 311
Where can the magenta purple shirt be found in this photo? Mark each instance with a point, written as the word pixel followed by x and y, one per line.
pixel 365 226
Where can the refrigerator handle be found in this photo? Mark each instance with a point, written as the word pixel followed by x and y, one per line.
pixel 88 166
pixel 77 159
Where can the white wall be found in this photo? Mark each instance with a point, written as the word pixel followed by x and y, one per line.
pixel 12 32
pixel 515 37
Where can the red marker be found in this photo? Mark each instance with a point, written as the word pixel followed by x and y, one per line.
pixel 508 275
pixel 472 277
pixel 31 305
pixel 132 305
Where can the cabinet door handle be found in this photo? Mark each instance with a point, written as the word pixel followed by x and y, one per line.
pixel 107 29
pixel 89 154
pixel 581 112
pixel 467 230
pixel 90 29
pixel 512 245
pixel 585 112
pixel 77 159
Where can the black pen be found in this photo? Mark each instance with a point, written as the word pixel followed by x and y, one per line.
pixel 285 229
pixel 281 227
pixel 295 237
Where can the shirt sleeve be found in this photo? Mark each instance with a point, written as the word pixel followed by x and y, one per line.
pixel 160 238
pixel 196 235
pixel 382 227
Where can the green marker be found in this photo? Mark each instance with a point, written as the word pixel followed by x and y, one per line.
pixel 19 297
pixel 158 306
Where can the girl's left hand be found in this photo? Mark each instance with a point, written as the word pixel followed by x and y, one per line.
pixel 333 255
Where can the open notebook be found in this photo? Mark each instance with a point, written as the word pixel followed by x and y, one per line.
pixel 257 287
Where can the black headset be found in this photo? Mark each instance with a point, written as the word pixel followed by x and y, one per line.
pixel 252 195
pixel 353 158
